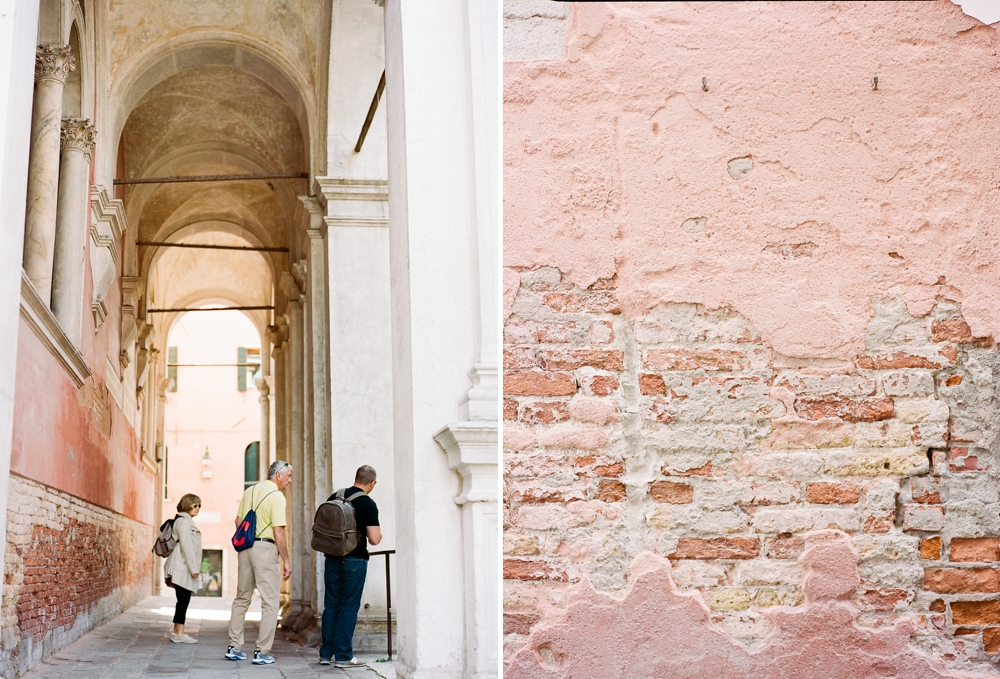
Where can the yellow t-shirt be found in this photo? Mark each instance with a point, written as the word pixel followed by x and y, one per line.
pixel 269 503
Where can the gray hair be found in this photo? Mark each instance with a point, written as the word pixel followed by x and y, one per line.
pixel 364 475
pixel 276 467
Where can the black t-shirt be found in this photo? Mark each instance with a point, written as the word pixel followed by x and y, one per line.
pixel 365 514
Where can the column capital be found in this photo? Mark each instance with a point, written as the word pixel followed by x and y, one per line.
pixel 317 227
pixel 472 452
pixel 53 62
pixel 78 134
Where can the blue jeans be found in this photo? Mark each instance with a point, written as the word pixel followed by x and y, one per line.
pixel 345 579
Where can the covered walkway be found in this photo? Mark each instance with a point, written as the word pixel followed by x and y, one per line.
pixel 137 644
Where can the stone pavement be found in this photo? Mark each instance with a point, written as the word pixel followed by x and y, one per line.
pixel 137 644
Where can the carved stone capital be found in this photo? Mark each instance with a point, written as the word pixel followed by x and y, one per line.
pixel 53 62
pixel 79 134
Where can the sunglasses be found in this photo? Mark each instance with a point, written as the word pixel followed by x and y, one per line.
pixel 195 506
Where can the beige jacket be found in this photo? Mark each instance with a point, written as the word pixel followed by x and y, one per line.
pixel 186 557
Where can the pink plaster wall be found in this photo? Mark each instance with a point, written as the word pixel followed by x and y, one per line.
pixel 853 192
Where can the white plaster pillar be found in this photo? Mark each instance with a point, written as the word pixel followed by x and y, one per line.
pixel 78 137
pixel 265 427
pixel 308 562
pixel 361 353
pixel 320 352
pixel 440 210
pixel 279 434
pixel 52 65
pixel 297 388
pixel 18 28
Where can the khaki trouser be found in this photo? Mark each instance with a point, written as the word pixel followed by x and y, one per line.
pixel 258 567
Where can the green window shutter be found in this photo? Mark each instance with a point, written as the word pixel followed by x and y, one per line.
pixel 251 459
pixel 172 367
pixel 241 369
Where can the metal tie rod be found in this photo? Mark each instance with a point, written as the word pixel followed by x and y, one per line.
pixel 225 308
pixel 371 114
pixel 212 178
pixel 207 246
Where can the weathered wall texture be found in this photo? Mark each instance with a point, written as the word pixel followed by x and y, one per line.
pixel 682 433
pixel 616 161
pixel 69 567
pixel 740 314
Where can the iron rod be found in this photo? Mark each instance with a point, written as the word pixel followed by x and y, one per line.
pixel 225 308
pixel 388 599
pixel 208 246
pixel 371 115
pixel 213 178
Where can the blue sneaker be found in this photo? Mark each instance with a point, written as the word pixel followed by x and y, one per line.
pixel 262 658
pixel 235 654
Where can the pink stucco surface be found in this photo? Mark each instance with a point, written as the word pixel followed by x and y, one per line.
pixel 853 191
pixel 657 631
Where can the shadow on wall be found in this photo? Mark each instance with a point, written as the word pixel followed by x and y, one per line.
pixel 656 631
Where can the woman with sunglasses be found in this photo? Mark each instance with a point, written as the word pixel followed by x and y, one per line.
pixel 182 569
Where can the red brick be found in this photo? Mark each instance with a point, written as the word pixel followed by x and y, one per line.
pixel 538 383
pixel 588 303
pixel 965 631
pixel 930 548
pixel 544 412
pixel 926 489
pixel 650 384
pixel 991 639
pixel 937 606
pixel 601 385
pixel 953 380
pixel 958 331
pixel 847 409
pixel 537 496
pixel 659 410
pixel 532 569
pixel 716 548
pixel 518 358
pixel 981 550
pixel 823 493
pixel 883 599
pixel 571 359
pixel 784 546
pixel 975 612
pixel 901 359
pixel 519 623
pixel 880 523
pixel 926 518
pixel 671 492
pixel 509 409
pixel 610 491
pixel 703 470
pixel 610 470
pixel 695 359
pixel 961 461
pixel 961 580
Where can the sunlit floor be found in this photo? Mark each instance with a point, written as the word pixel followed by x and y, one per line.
pixel 137 644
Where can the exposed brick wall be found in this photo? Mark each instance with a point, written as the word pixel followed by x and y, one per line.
pixel 681 432
pixel 69 566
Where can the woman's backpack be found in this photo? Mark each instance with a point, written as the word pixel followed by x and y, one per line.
pixel 166 541
pixel 335 530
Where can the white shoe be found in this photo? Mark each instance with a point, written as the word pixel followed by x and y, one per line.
pixel 345 664
pixel 182 639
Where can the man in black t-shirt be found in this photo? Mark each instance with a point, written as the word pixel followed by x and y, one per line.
pixel 345 576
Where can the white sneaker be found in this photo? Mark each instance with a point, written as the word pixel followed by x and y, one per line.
pixel 345 664
pixel 182 639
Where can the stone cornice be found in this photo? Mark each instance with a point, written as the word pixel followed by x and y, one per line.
pixel 355 202
pixel 53 62
pixel 43 323
pixel 353 189
pixel 472 452
pixel 78 134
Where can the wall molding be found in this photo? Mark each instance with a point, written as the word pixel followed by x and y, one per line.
pixel 43 323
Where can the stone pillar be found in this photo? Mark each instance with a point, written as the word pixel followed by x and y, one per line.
pixel 442 158
pixel 278 354
pixel 265 426
pixel 297 388
pixel 52 65
pixel 320 352
pixel 78 137
pixel 308 562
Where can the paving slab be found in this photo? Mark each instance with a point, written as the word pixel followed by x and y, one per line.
pixel 137 645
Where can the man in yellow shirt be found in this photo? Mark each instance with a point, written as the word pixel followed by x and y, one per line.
pixel 258 566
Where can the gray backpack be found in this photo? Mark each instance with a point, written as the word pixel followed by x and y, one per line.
pixel 334 530
pixel 165 541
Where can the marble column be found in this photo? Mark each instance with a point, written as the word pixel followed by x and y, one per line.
pixel 278 354
pixel 308 450
pixel 320 350
pixel 77 138
pixel 52 66
pixel 265 427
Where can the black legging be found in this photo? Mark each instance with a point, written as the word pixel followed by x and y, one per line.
pixel 183 599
